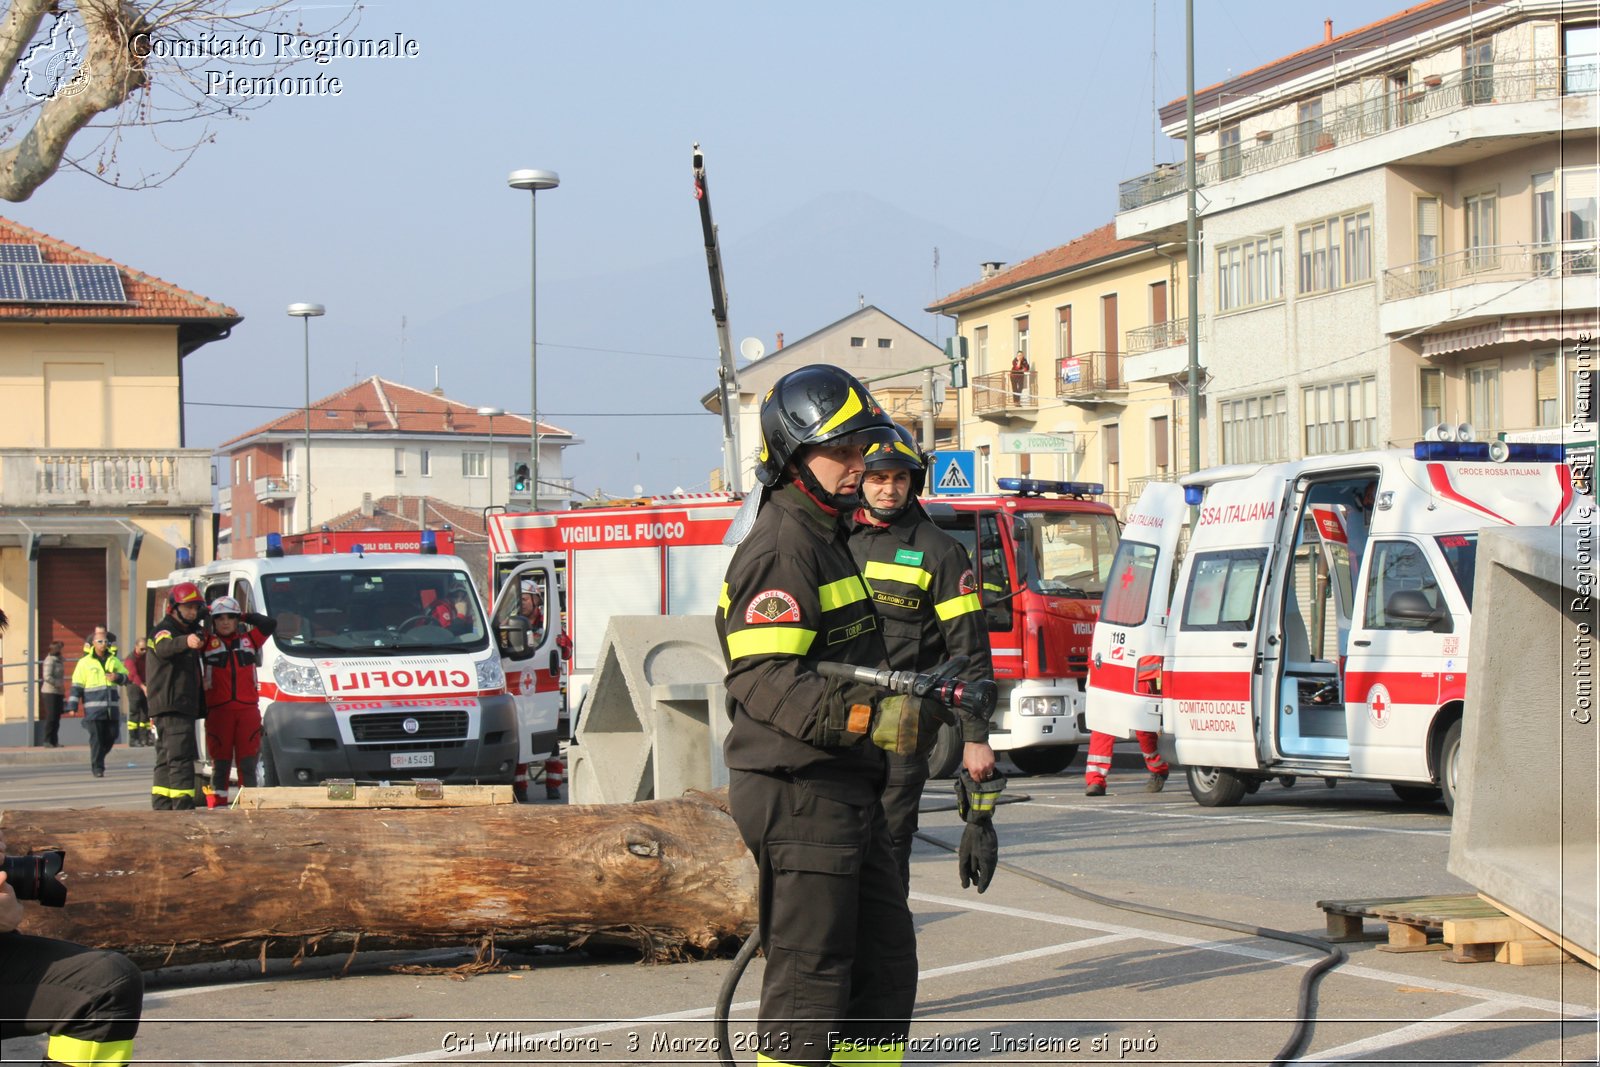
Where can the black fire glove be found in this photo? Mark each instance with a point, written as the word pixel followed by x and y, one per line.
pixel 980 847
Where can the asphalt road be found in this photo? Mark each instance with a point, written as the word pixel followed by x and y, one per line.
pixel 1012 976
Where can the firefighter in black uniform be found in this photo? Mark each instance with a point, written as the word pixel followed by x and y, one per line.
pixel 177 696
pixel 805 752
pixel 922 585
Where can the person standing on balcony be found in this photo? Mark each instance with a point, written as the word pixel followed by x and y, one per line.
pixel 52 688
pixel 1019 376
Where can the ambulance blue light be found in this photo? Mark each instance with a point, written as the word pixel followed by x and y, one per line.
pixel 1035 486
pixel 185 558
pixel 1447 450
pixel 430 543
pixel 1193 495
pixel 359 550
pixel 274 546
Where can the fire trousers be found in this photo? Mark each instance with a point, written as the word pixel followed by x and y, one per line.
pixel 902 793
pixel 1099 762
pixel 87 1000
pixel 176 752
pixel 841 950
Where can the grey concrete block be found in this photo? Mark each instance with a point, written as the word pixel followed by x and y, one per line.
pixel 1524 831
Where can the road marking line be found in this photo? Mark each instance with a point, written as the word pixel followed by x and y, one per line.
pixel 1243 818
pixel 1418 1031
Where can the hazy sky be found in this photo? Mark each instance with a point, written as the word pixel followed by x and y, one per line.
pixel 1009 122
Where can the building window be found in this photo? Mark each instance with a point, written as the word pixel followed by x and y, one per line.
pixel 1427 250
pixel 1482 231
pixel 1253 428
pixel 1112 438
pixel 1108 329
pixel 399 461
pixel 1250 272
pixel 1022 336
pixel 885 342
pixel 472 465
pixel 980 348
pixel 858 342
pixel 1546 383
pixel 1064 332
pixel 1431 396
pixel 237 467
pixel 1578 194
pixel 1477 72
pixel 1483 397
pixel 1336 252
pixel 1402 108
pixel 1309 114
pixel 1341 416
pixel 1545 225
pixel 425 463
pixel 1228 143
pixel 1161 440
pixel 1580 47
pixel 1158 303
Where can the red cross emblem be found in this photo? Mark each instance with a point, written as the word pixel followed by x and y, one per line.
pixel 1378 705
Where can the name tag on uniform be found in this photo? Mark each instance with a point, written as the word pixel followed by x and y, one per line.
pixel 908 557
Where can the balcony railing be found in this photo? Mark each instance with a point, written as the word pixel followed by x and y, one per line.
pixel 1488 263
pixel 1504 83
pixel 105 478
pixel 277 488
pixel 558 488
pixel 1086 375
pixel 1005 392
pixel 1167 334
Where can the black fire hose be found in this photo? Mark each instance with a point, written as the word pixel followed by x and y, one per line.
pixel 1333 955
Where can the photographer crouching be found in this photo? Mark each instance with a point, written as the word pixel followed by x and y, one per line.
pixel 87 1000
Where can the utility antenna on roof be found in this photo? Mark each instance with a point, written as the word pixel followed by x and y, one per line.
pixel 437 391
pixel 402 348
pixel 1155 106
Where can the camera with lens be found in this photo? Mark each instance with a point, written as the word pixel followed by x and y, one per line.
pixel 37 877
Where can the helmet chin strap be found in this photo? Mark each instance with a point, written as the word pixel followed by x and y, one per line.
pixel 890 514
pixel 841 502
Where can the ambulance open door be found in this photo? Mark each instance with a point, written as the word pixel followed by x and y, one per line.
pixel 533 675
pixel 1130 637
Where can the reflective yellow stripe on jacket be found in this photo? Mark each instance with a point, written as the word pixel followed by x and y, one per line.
pixel 79 1053
pixel 841 594
pixel 898 572
pixel 770 640
pixel 957 606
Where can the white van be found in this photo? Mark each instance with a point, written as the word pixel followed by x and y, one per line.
pixel 369 677
pixel 1317 623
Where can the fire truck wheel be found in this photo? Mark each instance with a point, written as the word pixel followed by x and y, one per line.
pixel 269 769
pixel 946 754
pixel 1450 765
pixel 1213 787
pixel 1043 759
pixel 1416 794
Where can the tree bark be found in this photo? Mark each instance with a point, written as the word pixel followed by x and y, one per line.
pixel 670 877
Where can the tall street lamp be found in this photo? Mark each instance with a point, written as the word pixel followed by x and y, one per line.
pixel 533 181
pixel 305 313
pixel 490 413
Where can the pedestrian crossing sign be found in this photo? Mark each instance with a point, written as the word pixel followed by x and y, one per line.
pixel 954 472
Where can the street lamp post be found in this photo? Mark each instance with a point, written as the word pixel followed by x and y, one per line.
pixel 305 313
pixel 490 413
pixel 533 181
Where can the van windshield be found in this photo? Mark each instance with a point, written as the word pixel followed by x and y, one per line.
pixel 1067 553
pixel 1461 553
pixel 368 609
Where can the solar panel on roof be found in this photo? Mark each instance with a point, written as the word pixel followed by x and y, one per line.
pixel 97 283
pixel 10 283
pixel 19 254
pixel 46 282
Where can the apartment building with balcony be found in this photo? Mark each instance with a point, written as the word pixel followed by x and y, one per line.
pixel 873 345
pixel 378 438
pixel 97 488
pixel 1398 230
pixel 1103 327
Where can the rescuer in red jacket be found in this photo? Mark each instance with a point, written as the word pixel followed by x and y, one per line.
pixel 233 713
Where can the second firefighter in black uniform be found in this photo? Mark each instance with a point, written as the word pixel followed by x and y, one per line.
pixel 177 696
pixel 922 585
pixel 805 752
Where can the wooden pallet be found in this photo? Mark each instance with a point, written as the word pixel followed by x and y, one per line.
pixel 346 793
pixel 1465 927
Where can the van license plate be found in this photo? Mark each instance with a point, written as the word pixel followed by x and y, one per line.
pixel 410 759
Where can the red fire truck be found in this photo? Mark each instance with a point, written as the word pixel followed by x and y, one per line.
pixel 1041 552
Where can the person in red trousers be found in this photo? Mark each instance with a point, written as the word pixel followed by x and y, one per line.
pixel 1099 763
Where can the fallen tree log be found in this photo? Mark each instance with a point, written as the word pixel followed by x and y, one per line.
pixel 669 877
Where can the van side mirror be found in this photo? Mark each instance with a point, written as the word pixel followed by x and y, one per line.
pixel 1412 606
pixel 513 636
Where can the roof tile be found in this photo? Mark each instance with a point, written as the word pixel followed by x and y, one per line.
pixel 1094 245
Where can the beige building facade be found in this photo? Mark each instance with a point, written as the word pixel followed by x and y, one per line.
pixel 1103 329
pixel 1399 229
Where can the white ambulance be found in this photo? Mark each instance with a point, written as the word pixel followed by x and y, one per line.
pixel 385 666
pixel 1316 625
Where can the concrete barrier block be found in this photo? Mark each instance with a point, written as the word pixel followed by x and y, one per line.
pixel 1525 816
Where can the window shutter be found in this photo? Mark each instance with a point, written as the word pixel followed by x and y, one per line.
pixel 1163 441
pixel 1113 443
pixel 1544 373
pixel 1428 216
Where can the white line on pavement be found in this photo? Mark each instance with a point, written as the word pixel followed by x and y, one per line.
pixel 1418 1031
pixel 1146 810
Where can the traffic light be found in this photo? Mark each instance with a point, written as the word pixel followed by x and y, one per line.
pixel 521 478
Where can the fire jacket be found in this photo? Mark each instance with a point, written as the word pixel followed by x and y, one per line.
pixel 95 685
pixel 231 661
pixel 921 583
pixel 792 599
pixel 172 671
